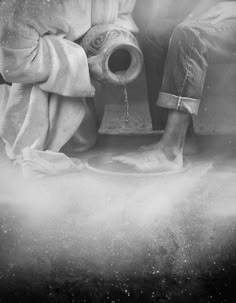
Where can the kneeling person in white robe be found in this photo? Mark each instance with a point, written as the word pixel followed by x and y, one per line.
pixel 45 108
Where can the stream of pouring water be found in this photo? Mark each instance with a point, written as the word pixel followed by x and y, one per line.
pixel 126 98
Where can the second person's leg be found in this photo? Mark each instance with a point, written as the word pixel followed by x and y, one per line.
pixel 193 45
pixel 155 40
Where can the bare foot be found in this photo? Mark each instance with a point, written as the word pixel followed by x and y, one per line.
pixel 190 148
pixel 154 159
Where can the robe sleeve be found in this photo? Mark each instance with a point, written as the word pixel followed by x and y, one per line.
pixel 55 64
pixel 125 19
pixel 114 11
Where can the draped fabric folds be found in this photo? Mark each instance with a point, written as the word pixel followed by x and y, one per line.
pixel 46 105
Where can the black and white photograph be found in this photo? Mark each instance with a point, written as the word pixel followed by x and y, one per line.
pixel 117 151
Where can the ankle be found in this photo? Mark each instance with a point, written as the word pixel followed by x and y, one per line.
pixel 175 132
pixel 171 151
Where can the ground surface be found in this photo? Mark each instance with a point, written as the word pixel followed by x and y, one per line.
pixel 93 238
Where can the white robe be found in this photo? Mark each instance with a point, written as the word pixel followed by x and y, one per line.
pixel 45 107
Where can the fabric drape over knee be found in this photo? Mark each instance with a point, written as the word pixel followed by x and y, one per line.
pixel 45 108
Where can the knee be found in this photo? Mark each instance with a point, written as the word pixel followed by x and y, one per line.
pixel 183 35
pixel 188 36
